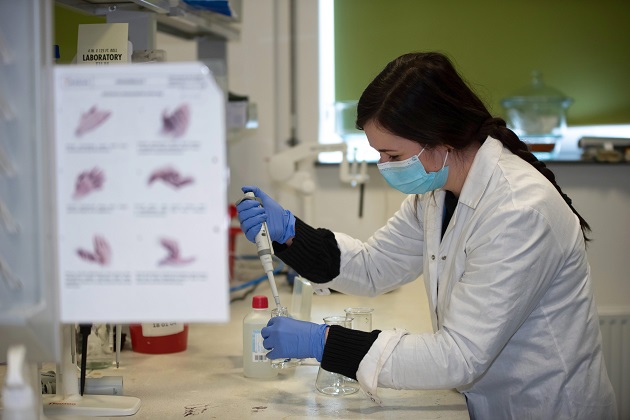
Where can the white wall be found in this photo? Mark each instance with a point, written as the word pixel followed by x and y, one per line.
pixel 176 48
pixel 258 67
pixel 601 194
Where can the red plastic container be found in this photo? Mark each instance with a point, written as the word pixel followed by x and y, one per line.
pixel 172 343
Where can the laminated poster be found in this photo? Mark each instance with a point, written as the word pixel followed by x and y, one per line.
pixel 141 194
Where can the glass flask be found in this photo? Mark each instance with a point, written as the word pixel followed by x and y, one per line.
pixel 336 384
pixel 283 363
pixel 362 318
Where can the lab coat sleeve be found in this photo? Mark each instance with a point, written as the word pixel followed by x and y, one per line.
pixel 390 258
pixel 373 362
pixel 510 261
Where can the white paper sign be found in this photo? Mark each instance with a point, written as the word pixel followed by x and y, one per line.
pixel 141 194
pixel 103 43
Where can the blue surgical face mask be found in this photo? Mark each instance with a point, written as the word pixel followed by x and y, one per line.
pixel 410 177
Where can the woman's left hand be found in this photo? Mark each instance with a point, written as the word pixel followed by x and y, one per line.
pixel 290 338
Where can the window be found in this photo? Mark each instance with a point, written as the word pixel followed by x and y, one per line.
pixel 336 118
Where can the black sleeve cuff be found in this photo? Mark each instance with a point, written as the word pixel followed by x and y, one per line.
pixel 345 348
pixel 314 253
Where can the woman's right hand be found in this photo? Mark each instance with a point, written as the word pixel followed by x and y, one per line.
pixel 280 222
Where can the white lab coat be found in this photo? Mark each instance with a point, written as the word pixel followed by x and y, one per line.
pixel 515 324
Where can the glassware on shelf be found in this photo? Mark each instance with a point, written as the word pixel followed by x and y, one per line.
pixel 336 384
pixel 537 114
pixel 283 363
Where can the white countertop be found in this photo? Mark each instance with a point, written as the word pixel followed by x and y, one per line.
pixel 206 381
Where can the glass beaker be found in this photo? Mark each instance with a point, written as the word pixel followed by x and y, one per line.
pixel 362 318
pixel 100 347
pixel 301 299
pixel 283 363
pixel 336 384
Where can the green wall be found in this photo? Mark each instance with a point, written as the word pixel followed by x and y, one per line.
pixel 582 47
pixel 66 30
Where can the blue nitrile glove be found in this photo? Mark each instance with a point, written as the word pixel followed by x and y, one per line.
pixel 280 222
pixel 290 338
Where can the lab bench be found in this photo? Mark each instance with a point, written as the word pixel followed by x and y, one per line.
pixel 206 380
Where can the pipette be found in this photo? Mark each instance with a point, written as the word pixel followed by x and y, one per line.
pixel 118 343
pixel 85 333
pixel 265 251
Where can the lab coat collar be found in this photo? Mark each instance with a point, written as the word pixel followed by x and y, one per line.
pixel 481 170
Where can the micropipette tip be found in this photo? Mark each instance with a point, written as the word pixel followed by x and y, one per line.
pixel 274 289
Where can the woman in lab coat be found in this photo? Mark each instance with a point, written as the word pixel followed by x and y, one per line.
pixel 500 247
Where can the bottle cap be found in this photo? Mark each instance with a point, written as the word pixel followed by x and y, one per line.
pixel 260 302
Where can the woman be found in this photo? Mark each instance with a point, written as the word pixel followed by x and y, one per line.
pixel 500 247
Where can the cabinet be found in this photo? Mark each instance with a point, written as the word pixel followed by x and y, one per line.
pixel 28 304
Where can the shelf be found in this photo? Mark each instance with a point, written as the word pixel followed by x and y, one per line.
pixel 189 24
pixel 172 16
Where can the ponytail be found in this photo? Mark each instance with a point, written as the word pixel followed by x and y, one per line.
pixel 496 128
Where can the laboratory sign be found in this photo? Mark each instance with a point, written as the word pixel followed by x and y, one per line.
pixel 103 43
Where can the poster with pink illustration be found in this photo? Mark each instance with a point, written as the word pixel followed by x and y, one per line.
pixel 141 195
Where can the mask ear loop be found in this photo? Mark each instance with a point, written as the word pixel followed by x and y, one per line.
pixel 445 157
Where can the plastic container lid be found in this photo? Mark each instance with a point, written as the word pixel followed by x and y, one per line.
pixel 260 302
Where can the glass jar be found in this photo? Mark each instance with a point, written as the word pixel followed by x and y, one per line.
pixel 537 114
pixel 336 384
pixel 361 318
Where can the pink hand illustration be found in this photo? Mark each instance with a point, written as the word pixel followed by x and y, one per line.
pixel 88 181
pixel 176 123
pixel 170 176
pixel 102 252
pixel 173 257
pixel 90 120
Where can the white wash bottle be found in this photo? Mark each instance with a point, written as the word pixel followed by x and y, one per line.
pixel 255 362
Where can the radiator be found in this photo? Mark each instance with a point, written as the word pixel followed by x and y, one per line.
pixel 615 326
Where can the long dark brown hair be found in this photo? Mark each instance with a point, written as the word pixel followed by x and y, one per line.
pixel 421 97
